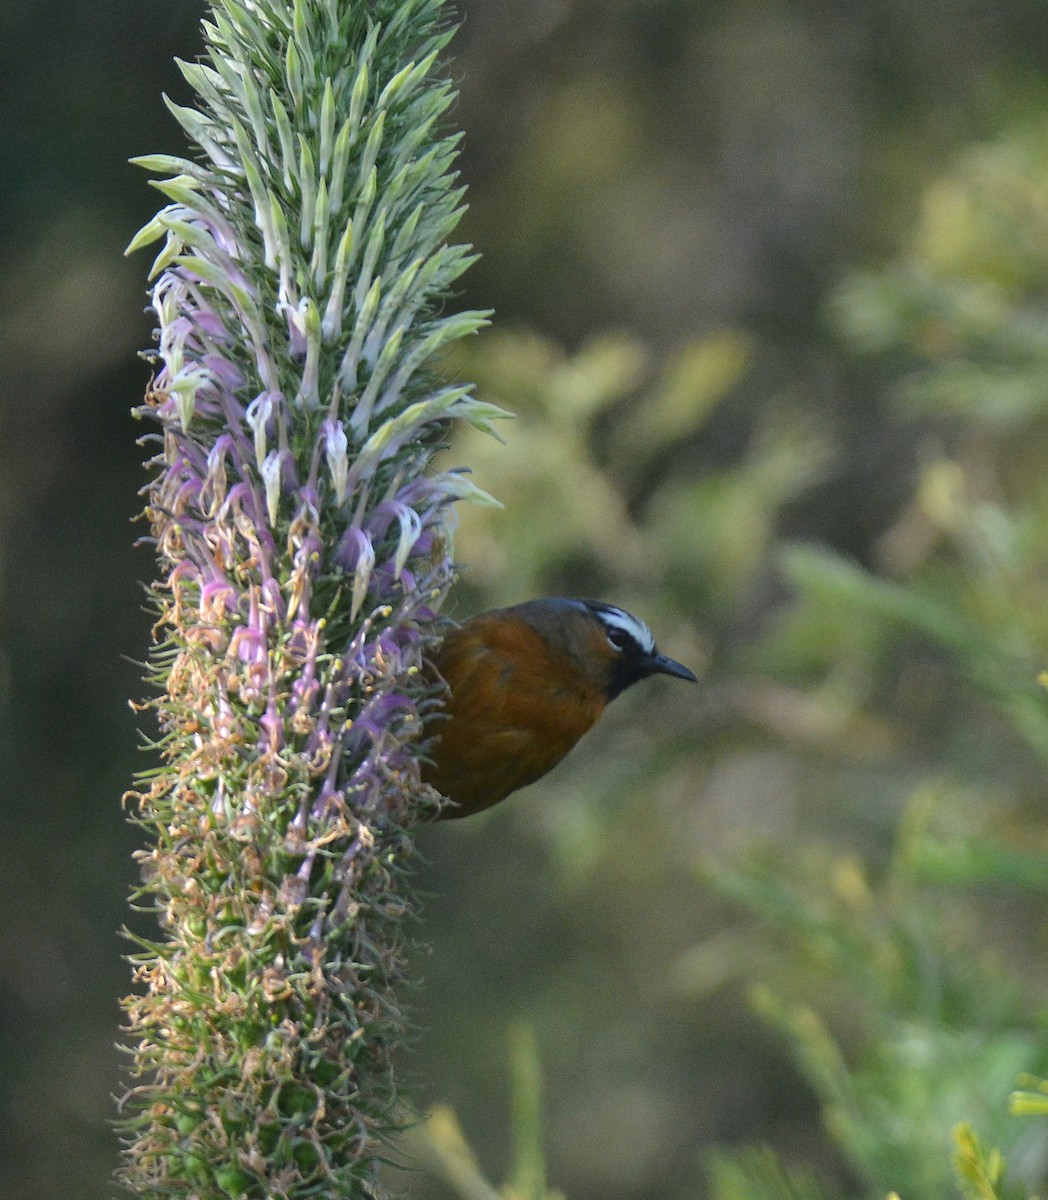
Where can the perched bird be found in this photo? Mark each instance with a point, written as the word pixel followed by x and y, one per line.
pixel 524 684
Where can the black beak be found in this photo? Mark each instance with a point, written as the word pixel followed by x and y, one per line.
pixel 659 664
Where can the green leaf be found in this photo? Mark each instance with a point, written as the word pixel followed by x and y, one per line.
pixel 757 1173
pixel 528 1176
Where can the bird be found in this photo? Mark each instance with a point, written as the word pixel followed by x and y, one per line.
pixel 523 684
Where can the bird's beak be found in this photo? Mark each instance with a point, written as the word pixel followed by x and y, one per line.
pixel 659 664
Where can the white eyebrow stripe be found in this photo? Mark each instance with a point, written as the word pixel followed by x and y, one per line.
pixel 617 618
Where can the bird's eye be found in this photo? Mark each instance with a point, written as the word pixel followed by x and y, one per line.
pixel 619 639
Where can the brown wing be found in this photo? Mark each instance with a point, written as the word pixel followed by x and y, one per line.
pixel 512 715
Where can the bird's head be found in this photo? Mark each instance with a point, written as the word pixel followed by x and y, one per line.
pixel 610 646
pixel 630 651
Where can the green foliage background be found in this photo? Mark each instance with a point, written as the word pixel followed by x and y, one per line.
pixel 771 285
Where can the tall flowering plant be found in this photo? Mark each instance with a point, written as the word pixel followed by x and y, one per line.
pixel 302 536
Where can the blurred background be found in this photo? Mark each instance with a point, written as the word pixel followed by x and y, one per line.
pixel 771 293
